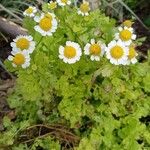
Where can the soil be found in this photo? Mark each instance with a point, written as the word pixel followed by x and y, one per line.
pixel 6 83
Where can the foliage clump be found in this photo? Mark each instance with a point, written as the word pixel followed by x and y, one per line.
pixel 102 104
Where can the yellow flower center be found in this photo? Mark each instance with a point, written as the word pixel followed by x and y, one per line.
pixel 64 1
pixel 132 53
pixel 84 7
pixel 52 5
pixel 95 49
pixel 127 23
pixel 116 52
pixel 29 10
pixel 23 43
pixel 69 52
pixel 46 23
pixel 19 59
pixel 125 35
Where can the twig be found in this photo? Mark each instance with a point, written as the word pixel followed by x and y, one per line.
pixel 39 137
pixel 11 28
pixel 59 134
pixel 51 128
pixel 111 6
pixel 95 75
pixel 9 12
pixel 127 7
pixel 94 4
pixel 4 37
pixel 122 3
pixel 2 65
pixel 142 55
pixel 40 1
pixel 40 131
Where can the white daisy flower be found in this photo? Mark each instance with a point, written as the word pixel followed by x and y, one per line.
pixel 95 50
pixel 23 42
pixel 126 35
pixel 47 24
pixel 84 9
pixel 20 58
pixel 117 52
pixel 30 12
pixel 52 5
pixel 71 53
pixel 63 2
pixel 132 56
pixel 127 23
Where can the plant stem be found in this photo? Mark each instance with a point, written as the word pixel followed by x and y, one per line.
pixel 123 4
pixel 2 65
pixel 9 12
pixel 39 42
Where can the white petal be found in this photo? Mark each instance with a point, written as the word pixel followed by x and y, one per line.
pixel 86 14
pixel 69 2
pixel 133 36
pixel 68 43
pixel 14 65
pixel 120 28
pixel 65 60
pixel 92 41
pixel 12 44
pixel 61 56
pixel 127 43
pixel 97 58
pixel 30 38
pixel 92 58
pixel 15 52
pixel 79 12
pixel 61 50
pixel 117 36
pixel 71 61
pixel 112 43
pixel 37 18
pixel 10 57
pixel 134 60
pixel 24 66
pixel 130 29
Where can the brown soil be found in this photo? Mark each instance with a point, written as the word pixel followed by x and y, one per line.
pixel 6 83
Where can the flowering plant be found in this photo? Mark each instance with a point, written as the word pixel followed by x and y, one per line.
pixel 75 68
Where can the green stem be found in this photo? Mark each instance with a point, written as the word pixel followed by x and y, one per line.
pixel 39 41
pixel 2 65
pixel 75 35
